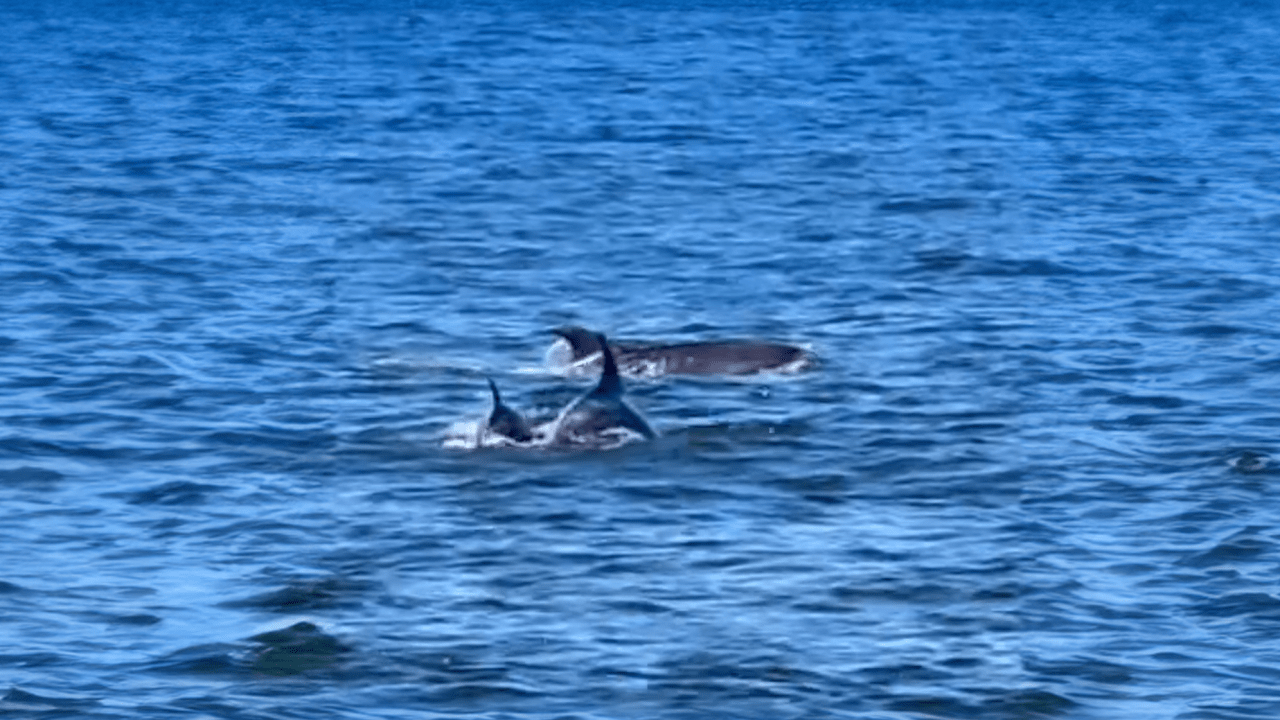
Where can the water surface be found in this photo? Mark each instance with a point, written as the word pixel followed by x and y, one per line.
pixel 258 259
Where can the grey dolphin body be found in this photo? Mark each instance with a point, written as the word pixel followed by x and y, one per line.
pixel 507 422
pixel 728 357
pixel 596 417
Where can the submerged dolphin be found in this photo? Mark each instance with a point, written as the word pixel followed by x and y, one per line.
pixel 598 416
pixel 726 357
pixel 507 422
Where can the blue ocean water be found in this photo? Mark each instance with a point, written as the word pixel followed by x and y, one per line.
pixel 259 258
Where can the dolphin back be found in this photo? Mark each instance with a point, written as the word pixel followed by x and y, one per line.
pixel 707 357
pixel 720 358
pixel 597 416
pixel 581 341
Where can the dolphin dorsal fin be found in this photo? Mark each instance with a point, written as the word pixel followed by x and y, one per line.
pixel 610 384
pixel 505 421
pixel 499 409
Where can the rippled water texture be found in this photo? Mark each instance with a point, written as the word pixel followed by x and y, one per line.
pixel 259 259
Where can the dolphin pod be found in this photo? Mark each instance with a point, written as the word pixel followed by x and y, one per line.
pixel 601 417
pixel 720 357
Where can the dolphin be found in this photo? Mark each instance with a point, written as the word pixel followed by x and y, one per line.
pixel 596 417
pixel 724 357
pixel 507 422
